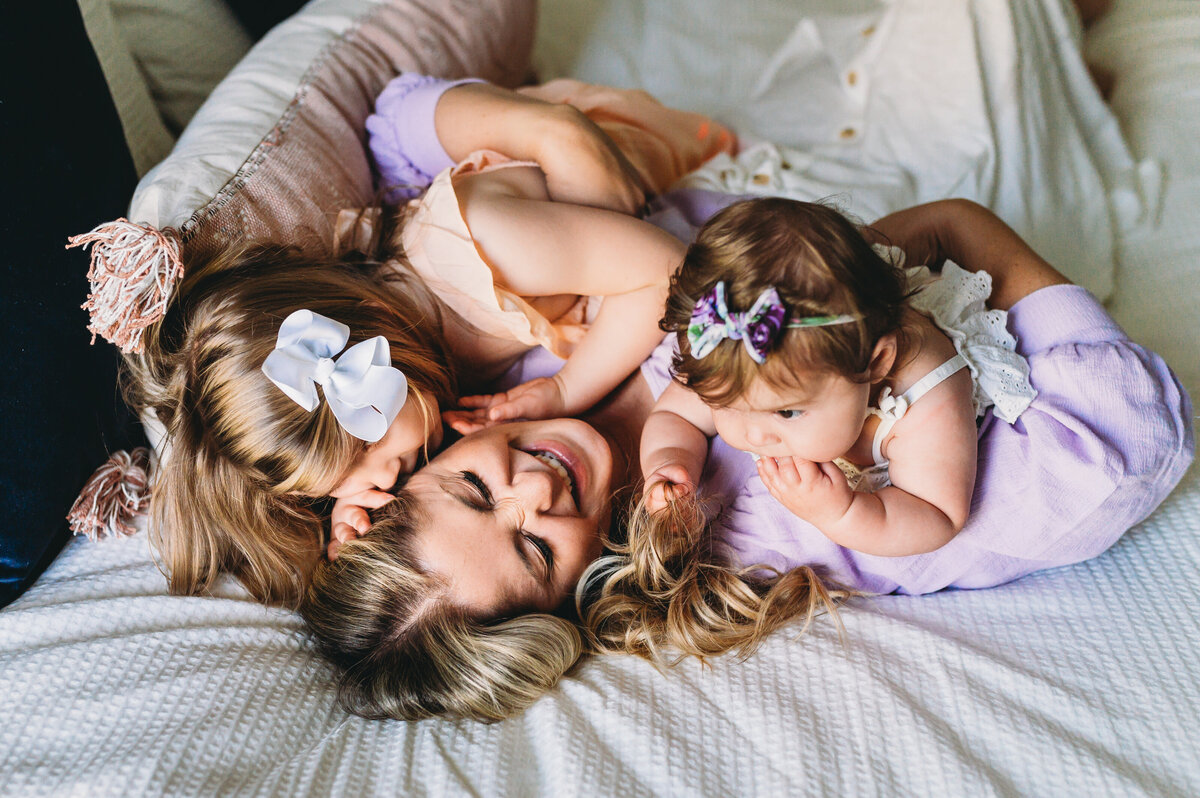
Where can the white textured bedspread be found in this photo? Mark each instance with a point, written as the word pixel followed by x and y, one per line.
pixel 1082 681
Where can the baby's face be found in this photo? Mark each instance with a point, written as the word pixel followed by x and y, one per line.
pixel 399 452
pixel 819 423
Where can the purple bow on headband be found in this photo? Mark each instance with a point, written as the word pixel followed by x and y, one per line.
pixel 758 328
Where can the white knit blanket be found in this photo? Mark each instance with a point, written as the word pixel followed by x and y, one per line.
pixel 1079 681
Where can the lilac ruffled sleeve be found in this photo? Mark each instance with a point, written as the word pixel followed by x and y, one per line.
pixel 402 136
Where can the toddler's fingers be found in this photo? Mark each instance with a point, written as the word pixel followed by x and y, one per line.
pixel 520 407
pixel 768 470
pixel 662 492
pixel 465 422
pixel 805 470
pixel 655 500
pixel 332 551
pixel 480 401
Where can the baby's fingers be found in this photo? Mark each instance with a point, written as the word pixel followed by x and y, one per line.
pixel 780 471
pixel 804 470
pixel 768 471
pixel 660 493
pixel 835 474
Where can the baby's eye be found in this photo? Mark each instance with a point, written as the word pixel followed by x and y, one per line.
pixel 788 415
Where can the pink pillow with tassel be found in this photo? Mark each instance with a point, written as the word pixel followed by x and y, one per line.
pixel 279 146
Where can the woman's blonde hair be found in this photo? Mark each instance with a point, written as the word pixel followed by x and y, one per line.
pixel 237 491
pixel 671 591
pixel 820 264
pixel 406 651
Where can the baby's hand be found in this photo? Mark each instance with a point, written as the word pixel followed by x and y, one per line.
pixel 541 398
pixel 350 520
pixel 668 483
pixel 816 492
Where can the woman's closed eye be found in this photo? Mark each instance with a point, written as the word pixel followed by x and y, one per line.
pixel 480 488
pixel 484 502
pixel 544 550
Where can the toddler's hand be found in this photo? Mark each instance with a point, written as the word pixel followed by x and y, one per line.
pixel 537 399
pixel 816 492
pixel 466 421
pixel 668 483
pixel 349 518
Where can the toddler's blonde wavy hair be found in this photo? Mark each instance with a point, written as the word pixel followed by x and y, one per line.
pixel 239 489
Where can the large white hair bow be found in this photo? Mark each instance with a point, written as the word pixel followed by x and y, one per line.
pixel 364 391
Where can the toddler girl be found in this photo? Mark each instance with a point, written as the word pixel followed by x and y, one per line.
pixel 271 389
pixel 855 387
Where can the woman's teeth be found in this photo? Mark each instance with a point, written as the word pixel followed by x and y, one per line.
pixel 558 467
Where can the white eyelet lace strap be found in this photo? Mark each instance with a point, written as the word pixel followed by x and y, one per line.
pixel 892 408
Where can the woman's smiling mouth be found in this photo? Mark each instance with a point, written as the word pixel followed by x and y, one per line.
pixel 563 462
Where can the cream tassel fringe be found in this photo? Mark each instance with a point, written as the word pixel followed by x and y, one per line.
pixel 133 270
pixel 117 492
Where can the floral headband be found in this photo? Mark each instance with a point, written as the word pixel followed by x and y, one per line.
pixel 758 328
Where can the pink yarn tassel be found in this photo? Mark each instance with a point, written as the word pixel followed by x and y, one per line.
pixel 134 267
pixel 117 492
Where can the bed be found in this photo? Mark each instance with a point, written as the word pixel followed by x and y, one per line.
pixel 1082 680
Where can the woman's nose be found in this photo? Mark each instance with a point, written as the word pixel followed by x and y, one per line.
pixel 536 488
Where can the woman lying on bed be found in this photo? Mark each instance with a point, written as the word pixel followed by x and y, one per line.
pixel 457 599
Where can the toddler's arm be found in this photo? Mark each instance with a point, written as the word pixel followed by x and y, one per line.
pixel 932 462
pixel 674 445
pixel 974 238
pixel 422 125
pixel 544 248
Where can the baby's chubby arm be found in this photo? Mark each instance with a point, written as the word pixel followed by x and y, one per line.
pixel 674 445
pixel 581 163
pixel 932 463
pixel 544 248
